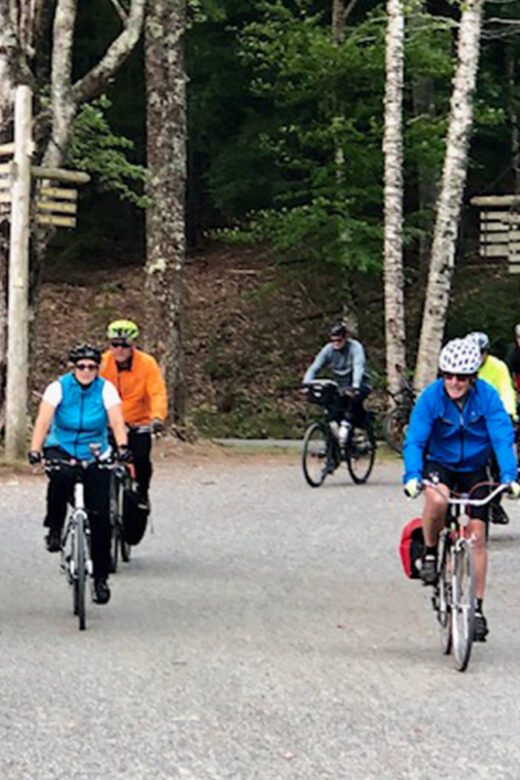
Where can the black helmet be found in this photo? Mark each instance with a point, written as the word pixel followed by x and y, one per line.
pixel 338 330
pixel 82 351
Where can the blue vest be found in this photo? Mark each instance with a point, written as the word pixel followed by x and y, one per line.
pixel 80 418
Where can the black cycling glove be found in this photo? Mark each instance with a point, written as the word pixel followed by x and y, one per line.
pixel 124 454
pixel 34 457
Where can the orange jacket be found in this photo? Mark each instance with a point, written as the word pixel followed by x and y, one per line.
pixel 141 387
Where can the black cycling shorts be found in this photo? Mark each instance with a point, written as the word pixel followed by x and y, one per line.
pixel 461 482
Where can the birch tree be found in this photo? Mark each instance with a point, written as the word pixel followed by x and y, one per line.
pixel 451 193
pixel 165 218
pixel 393 198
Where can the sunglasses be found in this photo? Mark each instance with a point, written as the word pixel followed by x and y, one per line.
pixel 458 377
pixel 86 366
pixel 120 344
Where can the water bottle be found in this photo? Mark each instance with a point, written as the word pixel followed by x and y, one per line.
pixel 344 430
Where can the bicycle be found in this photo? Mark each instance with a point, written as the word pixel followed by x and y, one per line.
pixel 395 421
pixel 324 450
pixel 454 594
pixel 75 555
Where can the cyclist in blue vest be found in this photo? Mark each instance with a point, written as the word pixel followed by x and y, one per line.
pixel 73 414
pixel 456 423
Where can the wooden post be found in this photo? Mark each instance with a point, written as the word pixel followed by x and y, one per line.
pixel 18 290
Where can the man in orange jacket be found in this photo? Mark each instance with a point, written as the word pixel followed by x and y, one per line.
pixel 141 387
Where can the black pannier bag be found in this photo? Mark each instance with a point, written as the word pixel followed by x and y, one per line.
pixel 135 516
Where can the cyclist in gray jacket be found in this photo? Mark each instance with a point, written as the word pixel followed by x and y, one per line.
pixel 346 358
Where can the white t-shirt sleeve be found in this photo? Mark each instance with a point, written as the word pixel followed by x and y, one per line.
pixel 53 394
pixel 110 395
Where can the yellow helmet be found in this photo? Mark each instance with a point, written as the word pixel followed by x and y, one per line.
pixel 122 329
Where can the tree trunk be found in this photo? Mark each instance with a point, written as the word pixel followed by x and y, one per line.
pixel 395 337
pixel 450 198
pixel 512 112
pixel 165 223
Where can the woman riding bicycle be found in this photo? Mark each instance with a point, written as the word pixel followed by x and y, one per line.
pixel 73 415
pixel 455 424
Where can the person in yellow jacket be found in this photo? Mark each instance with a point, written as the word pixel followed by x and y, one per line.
pixel 140 384
pixel 496 373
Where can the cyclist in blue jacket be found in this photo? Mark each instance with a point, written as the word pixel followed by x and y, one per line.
pixel 456 423
pixel 74 414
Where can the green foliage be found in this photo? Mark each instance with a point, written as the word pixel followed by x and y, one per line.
pixel 96 149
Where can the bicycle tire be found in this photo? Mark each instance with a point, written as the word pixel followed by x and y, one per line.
pixel 444 595
pixel 114 526
pixel 125 547
pixel 360 457
pixel 126 550
pixel 315 454
pixel 80 576
pixel 463 612
pixel 395 424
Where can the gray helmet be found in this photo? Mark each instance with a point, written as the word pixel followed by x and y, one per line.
pixel 460 356
pixel 481 338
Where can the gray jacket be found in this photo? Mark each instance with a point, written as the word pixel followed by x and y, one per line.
pixel 348 365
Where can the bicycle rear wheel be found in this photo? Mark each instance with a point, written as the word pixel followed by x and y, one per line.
pixel 316 454
pixel 360 455
pixel 444 595
pixel 395 425
pixel 463 612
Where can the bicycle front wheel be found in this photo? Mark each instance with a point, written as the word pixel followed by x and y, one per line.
pixel 463 613
pixel 114 525
pixel 78 586
pixel 360 455
pixel 395 425
pixel 316 454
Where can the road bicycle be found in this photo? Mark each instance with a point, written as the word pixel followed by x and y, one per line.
pixel 75 558
pixel 326 444
pixel 75 555
pixel 395 421
pixel 454 594
pixel 121 479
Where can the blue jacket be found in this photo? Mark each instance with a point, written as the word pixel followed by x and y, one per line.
pixel 459 439
pixel 80 418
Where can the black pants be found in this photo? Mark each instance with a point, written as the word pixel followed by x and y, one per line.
pixel 463 482
pixel 141 447
pixel 97 501
pixel 343 407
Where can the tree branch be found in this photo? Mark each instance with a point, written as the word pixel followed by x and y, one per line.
pixel 123 15
pixel 92 84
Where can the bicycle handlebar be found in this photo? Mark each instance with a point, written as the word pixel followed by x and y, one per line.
pixel 461 501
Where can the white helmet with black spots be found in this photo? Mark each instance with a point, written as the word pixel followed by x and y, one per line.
pixel 460 356
pixel 482 339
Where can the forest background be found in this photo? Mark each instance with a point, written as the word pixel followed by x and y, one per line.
pixel 284 236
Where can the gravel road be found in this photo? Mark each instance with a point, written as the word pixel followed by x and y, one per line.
pixel 264 630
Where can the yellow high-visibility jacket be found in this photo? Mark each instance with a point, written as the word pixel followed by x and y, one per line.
pixel 496 373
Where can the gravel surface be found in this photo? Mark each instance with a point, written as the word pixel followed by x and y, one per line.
pixel 265 630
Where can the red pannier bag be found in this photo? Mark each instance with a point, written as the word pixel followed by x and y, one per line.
pixel 411 548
